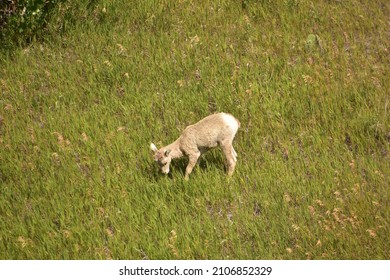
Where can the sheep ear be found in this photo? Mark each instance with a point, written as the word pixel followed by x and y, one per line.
pixel 153 147
pixel 167 152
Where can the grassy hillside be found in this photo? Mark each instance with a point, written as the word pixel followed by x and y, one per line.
pixel 309 81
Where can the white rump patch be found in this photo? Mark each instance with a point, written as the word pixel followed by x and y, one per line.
pixel 230 121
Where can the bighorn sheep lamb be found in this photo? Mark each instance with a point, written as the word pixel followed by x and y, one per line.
pixel 217 129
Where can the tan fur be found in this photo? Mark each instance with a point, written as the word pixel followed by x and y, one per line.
pixel 210 132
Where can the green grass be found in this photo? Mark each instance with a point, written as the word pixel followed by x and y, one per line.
pixel 309 82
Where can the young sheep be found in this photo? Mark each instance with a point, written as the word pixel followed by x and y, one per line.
pixel 218 129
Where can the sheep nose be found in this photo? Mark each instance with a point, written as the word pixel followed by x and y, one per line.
pixel 165 171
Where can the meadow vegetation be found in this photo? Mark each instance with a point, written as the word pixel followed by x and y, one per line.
pixel 80 104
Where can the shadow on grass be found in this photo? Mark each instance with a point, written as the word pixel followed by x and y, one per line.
pixel 212 159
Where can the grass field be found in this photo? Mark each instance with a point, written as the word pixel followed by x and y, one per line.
pixel 309 81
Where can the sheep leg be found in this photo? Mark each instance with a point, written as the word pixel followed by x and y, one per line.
pixel 234 154
pixel 230 155
pixel 193 158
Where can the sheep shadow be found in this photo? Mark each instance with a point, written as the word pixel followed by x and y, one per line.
pixel 213 159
